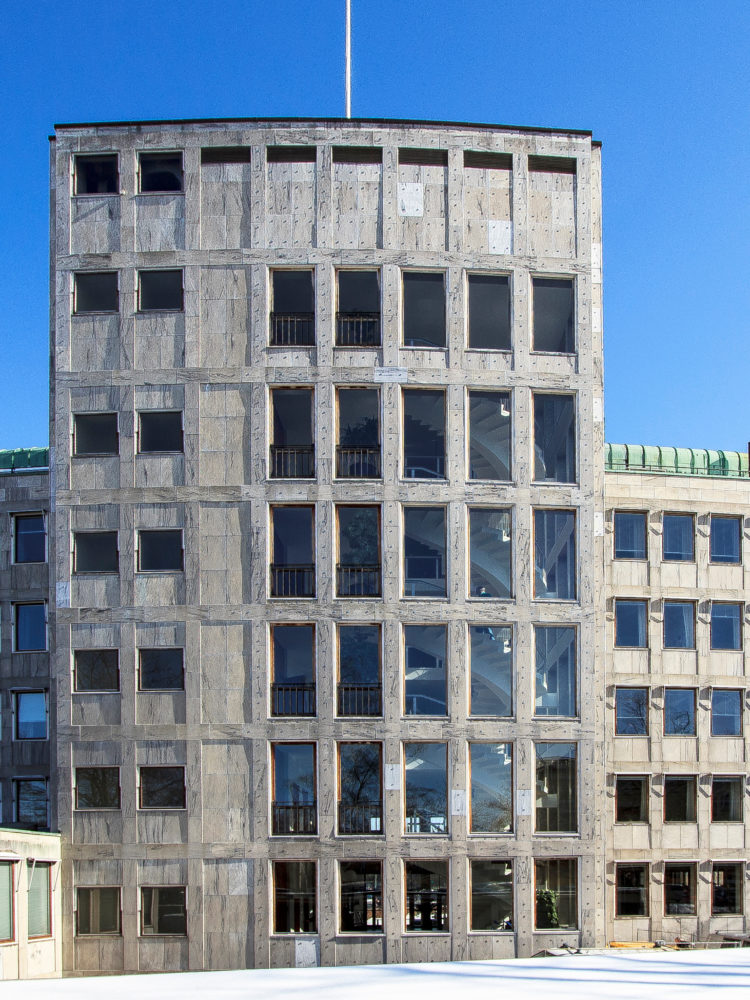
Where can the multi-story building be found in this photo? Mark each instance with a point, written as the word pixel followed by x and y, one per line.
pixel 677 666
pixel 328 546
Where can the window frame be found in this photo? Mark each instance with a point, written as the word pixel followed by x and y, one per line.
pixel 443 272
pixel 94 572
pixel 98 649
pixel 575 866
pixel 35 649
pixel 24 515
pixel 94 890
pixel 678 559
pixel 162 570
pixel 273 862
pixel 509 862
pixel 159 310
pixel 25 779
pixel 644 603
pixel 161 451
pixel 446 556
pixel 349 742
pixel 340 314
pixel 477 273
pixel 273 682
pixel 725 562
pixel 643 865
pixel 75 417
pixel 337 429
pixel 740 779
pixel 740 865
pixel 574 512
pixel 510 398
pixel 339 683
pixel 10 863
pixel 404 696
pixel 34 866
pixel 689 735
pixel 741 694
pixel 293 344
pixel 692 868
pixel 576 811
pixel 154 154
pixel 554 276
pixel 158 933
pixel 375 932
pixel 511 831
pixel 75 311
pixel 77 157
pixel 404 803
pixel 405 863
pixel 478 628
pixel 644 779
pixel 693 779
pixel 633 513
pixel 96 808
pixel 314 804
pixel 740 616
pixel 312 568
pixel 671 602
pixel 647 706
pixel 155 690
pixel 161 767
pixel 19 693
pixel 511 513
pixel 339 593
pixel 414 391
pixel 573 397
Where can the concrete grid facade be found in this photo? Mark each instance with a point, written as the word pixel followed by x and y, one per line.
pixel 257 198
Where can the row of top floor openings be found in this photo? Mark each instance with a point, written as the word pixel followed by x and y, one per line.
pixel 424 301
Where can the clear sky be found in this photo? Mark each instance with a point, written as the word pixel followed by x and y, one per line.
pixel 662 83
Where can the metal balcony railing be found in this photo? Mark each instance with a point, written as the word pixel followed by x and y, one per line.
pixel 358 463
pixel 293 699
pixel 292 329
pixel 360 818
pixel 292 463
pixel 360 699
pixel 357 329
pixel 358 581
pixel 291 819
pixel 292 581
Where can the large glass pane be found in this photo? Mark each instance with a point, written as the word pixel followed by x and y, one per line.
pixel 161 669
pixel 361 896
pixel 358 312
pixel 726 712
pixel 679 799
pixel 358 452
pixel 726 625
pixel 489 435
pixel 294 789
pixel 678 537
pixel 726 888
pixel 556 788
pixel 631 799
pixel 96 669
pixel 293 315
pixel 489 312
pixel 358 568
pixel 679 712
pixel 98 910
pixel 360 795
pixel 725 539
pixel 679 889
pixel 6 901
pixel 30 538
pixel 163 910
pixel 679 625
pixel 555 670
pixel 631 893
pixel 553 316
pixel 292 451
pixel 726 799
pixel 31 627
pixel 424 309
pixel 630 535
pixel 162 788
pixel 631 711
pixel 425 669
pixel 359 670
pixel 293 658
pixel 97 788
pixel 426 895
pixel 424 434
pixel 294 897
pixel 555 554
pixel 491 787
pixel 491 655
pixel 490 552
pixel 556 894
pixel 491 895
pixel 554 438
pixel 630 623
pixel 293 568
pixel 425 766
pixel 424 552
pixel 31 715
pixel 31 803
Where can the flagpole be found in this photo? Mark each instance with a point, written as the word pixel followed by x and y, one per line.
pixel 348 58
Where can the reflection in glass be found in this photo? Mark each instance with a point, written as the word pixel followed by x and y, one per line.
pixel 555 670
pixel 425 669
pixel 491 787
pixel 425 766
pixel 491 656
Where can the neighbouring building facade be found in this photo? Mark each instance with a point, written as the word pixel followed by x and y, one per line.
pixel 361 650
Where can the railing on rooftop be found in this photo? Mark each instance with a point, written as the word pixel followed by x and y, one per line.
pixel 24 460
pixel 675 461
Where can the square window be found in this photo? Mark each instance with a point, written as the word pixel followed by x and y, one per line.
pixel 554 438
pixel 679 712
pixel 631 711
pixel 95 434
pixel 679 799
pixel 294 897
pixel 726 888
pixel 679 889
pixel 678 538
pixel 679 625
pixel 726 533
pixel 358 313
pixel 556 788
pixel 490 552
pixel 425 669
pixel 727 794
pixel 424 309
pixel 553 331
pixel 491 670
pixel 292 309
pixel 162 788
pixel 97 788
pixel 7 927
pixel 631 891
pixel 31 803
pixel 489 435
pixel 160 291
pixel 489 312
pixel 556 885
pixel 555 555
pixel 29 538
pixel 424 433
pixel 160 551
pixel 96 670
pixel 631 799
pixel 30 627
pixel 424 552
pixel 160 172
pixel 161 669
pixel 95 552
pixel 630 534
pixel 630 624
pixel 491 768
pixel 95 291
pixel 491 895
pixel 361 902
pixel 30 715
pixel 294 811
pixel 426 787
pixel 726 625
pixel 39 898
pixel 160 431
pixel 163 910
pixel 96 174
pixel 426 896
pixel 555 687
pixel 726 712
pixel 98 910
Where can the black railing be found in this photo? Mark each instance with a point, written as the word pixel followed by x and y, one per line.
pixel 358 329
pixel 292 463
pixel 292 819
pixel 360 699
pixel 292 329
pixel 292 581
pixel 293 699
pixel 360 817
pixel 427 911
pixel 358 463
pixel 358 581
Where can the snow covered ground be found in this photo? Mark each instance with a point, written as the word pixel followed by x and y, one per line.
pixel 713 975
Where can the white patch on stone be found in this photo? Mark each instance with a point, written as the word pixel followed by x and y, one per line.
pixel 598 524
pixel 523 802
pixel 458 802
pixel 598 410
pixel 390 374
pixel 62 595
pixel 392 777
pixel 305 953
pixel 500 236
pixel 411 200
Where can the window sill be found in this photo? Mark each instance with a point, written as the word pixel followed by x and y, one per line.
pixel 96 691
pixel 159 690
pixel 492 930
pixel 140 454
pixel 95 572
pixel 548 834
pixel 92 809
pixel 429 934
pixel 351 936
pixel 159 312
pixel 30 739
pixel 29 562
pixel 97 934
pixel 97 312
pixel 36 649
pixel 485 834
pixel 554 354
pixel 94 194
pixel 156 934
pixel 555 930
pixel 495 350
pixel 285 935
pixel 424 347
pixel 159 572
pixel 159 194
pixel 161 809
pixel 97 454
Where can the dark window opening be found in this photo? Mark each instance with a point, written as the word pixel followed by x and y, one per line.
pixel 95 434
pixel 160 431
pixel 291 154
pixel 555 692
pixel 161 669
pixel 294 897
pixel 160 290
pixel 95 552
pixel 489 435
pixel 29 538
pixel 679 625
pixel 160 551
pixel 423 157
pixel 553 316
pixel 556 788
pixel 292 451
pixel 630 535
pixel 31 803
pixel 293 565
pixel 555 555
pixel 489 312
pixel 426 896
pixel 96 670
pixel 424 309
pixel 556 884
pixel 225 154
pixel 631 711
pixel 424 552
pixel 631 799
pixel 358 448
pixel 163 910
pixel 425 670
pixel 294 807
pixel 554 439
pixel 292 309
pixel 357 154
pixel 491 895
pixel 725 539
pixel 162 788
pixel 358 568
pixel 97 788
pixel 160 172
pixel 358 314
pixel 726 625
pixel 361 896
pixel 481 160
pixel 491 766
pixel 727 796
pixel 552 164
pixel 679 799
pixel 424 433
pixel 631 891
pixel 30 622
pixel 96 291
pixel 98 910
pixel 679 889
pixel 97 174
pixel 293 660
pixel 726 888
pixel 360 789
pixel 359 688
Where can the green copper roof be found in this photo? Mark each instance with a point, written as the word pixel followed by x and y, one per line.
pixel 24 460
pixel 674 461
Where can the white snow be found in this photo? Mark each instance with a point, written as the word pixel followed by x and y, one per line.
pixel 713 975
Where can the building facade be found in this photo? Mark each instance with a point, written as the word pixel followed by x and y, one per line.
pixel 327 546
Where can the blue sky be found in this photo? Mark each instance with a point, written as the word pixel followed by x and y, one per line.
pixel 662 83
